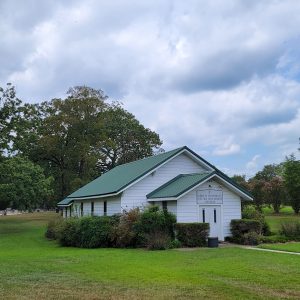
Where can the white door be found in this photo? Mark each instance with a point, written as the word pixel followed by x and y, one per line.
pixel 212 215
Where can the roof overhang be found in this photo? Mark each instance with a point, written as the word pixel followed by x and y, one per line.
pixel 96 196
pixel 66 205
pixel 226 183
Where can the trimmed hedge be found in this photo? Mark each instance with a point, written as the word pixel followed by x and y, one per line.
pixel 192 234
pixel 86 232
pixel 95 232
pixel 245 231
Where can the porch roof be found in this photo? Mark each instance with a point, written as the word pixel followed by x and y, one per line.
pixel 178 185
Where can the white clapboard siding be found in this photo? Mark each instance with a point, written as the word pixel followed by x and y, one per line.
pixel 87 208
pixel 231 210
pixel 188 209
pixel 98 207
pixel 113 206
pixel 171 206
pixel 135 196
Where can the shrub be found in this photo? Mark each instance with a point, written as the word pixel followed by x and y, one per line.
pixel 291 230
pixel 249 212
pixel 152 222
pixel 157 240
pixel 86 232
pixel 265 230
pixel 95 232
pixel 53 228
pixel 252 238
pixel 69 232
pixel 244 226
pixel 152 228
pixel 124 233
pixel 275 239
pixel 192 234
pixel 175 244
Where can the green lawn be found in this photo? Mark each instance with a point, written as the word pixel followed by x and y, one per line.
pixel 275 220
pixel 291 247
pixel 284 210
pixel 33 268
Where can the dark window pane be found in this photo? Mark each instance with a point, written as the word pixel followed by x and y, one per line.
pixel 105 208
pixel 165 205
pixel 92 208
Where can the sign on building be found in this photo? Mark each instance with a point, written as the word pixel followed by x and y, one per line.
pixel 209 196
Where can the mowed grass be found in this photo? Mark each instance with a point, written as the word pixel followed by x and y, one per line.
pixel 291 247
pixel 286 215
pixel 32 267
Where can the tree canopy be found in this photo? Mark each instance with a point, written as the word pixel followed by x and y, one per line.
pixel 292 181
pixel 275 184
pixel 23 184
pixel 74 139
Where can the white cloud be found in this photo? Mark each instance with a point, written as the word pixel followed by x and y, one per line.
pixel 227 149
pixel 221 77
pixel 252 165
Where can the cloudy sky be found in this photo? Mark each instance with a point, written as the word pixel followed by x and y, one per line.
pixel 222 77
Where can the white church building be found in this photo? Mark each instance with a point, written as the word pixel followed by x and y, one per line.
pixel 179 180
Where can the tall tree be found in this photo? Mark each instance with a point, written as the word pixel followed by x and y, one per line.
pixel 269 172
pixel 70 131
pixel 241 180
pixel 78 138
pixel 256 187
pixel 272 192
pixel 126 139
pixel 23 184
pixel 292 181
pixel 9 104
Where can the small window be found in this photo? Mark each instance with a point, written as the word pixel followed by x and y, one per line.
pixel 203 215
pixel 92 208
pixel 66 212
pixel 105 208
pixel 165 205
pixel 70 211
pixel 81 208
pixel 215 215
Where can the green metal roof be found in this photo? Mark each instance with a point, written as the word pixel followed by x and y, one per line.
pixel 115 180
pixel 65 202
pixel 121 176
pixel 179 185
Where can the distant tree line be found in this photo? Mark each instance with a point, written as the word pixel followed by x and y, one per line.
pixel 49 149
pixel 275 185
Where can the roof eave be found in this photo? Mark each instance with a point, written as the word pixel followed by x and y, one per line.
pixel 161 199
pixel 65 205
pixel 211 175
pixel 183 192
pixel 96 196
